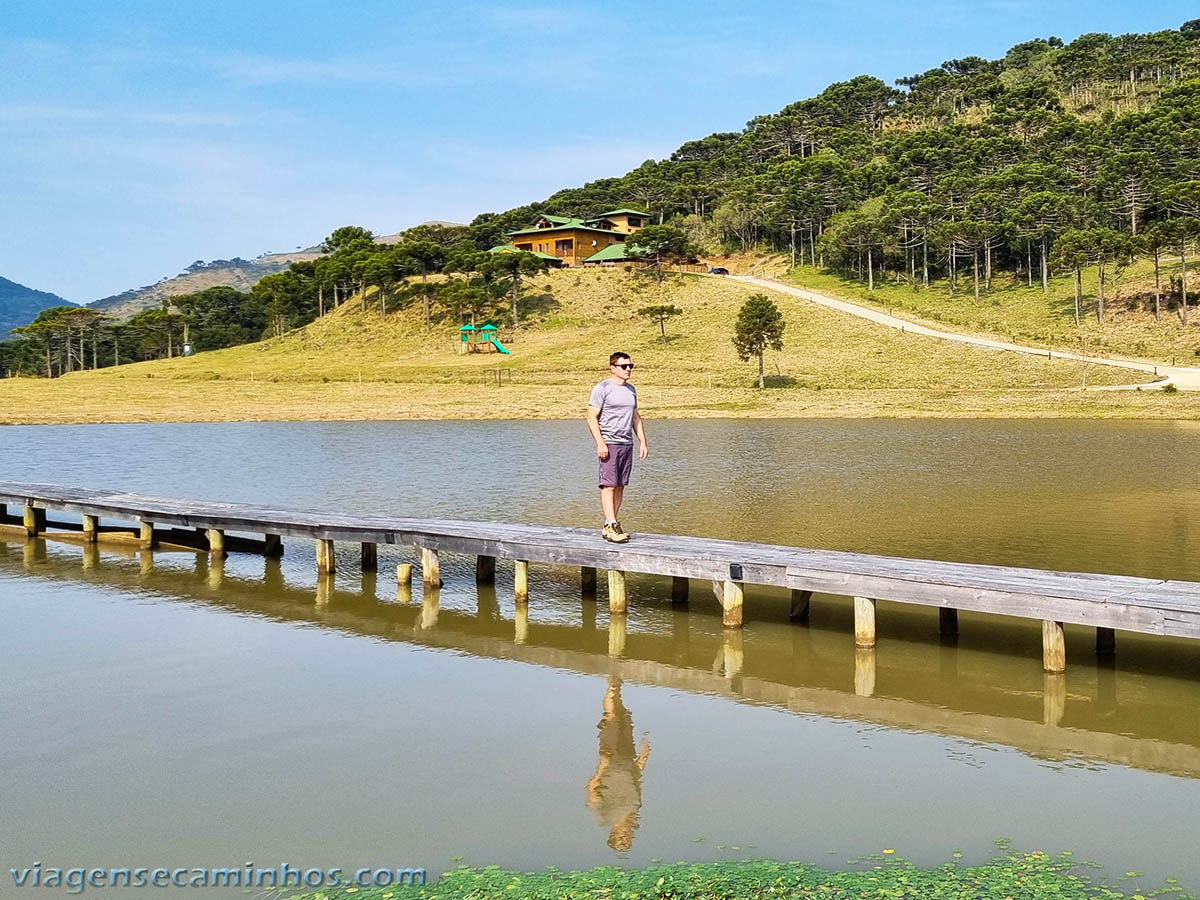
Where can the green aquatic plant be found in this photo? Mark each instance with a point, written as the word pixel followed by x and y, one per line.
pixel 1014 876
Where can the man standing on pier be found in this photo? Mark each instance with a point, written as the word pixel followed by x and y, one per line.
pixel 614 421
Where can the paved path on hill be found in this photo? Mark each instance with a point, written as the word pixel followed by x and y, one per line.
pixel 1183 377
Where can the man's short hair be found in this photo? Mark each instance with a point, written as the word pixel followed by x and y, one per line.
pixel 616 357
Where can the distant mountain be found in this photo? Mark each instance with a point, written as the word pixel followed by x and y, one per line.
pixel 238 273
pixel 19 305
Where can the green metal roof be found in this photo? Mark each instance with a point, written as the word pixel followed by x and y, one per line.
pixel 488 327
pixel 568 225
pixel 611 253
pixel 467 327
pixel 625 212
pixel 509 248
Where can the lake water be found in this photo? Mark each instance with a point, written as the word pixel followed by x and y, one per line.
pixel 159 711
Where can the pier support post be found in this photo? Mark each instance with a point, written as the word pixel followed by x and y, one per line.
pixel 616 635
pixel 146 535
pixel 616 592
pixel 1106 642
pixel 680 588
pixel 216 542
pixel 325 558
pixel 324 588
pixel 587 581
pixel 370 556
pixel 864 622
pixel 1054 647
pixel 91 526
pixel 431 568
pixel 35 520
pixel 948 621
pixel 91 556
pixel 521 581
pixel 145 562
pixel 801 600
pixel 272 546
pixel 485 570
pixel 864 672
pixel 731 594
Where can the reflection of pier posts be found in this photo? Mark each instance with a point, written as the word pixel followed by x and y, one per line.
pixel 273 575
pixel 521 623
pixel 1054 647
pixel 324 589
pixel 370 584
pixel 216 572
pixel 1054 698
pixel 33 551
pixel 616 635
pixel 732 651
pixel 801 601
pixel 864 622
pixel 430 605
pixel 864 672
pixel 487 606
pixel 91 556
pixel 145 562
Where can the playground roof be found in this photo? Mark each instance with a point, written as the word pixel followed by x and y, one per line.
pixel 488 327
pixel 467 327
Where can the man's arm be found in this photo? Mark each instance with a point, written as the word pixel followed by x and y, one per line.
pixel 640 430
pixel 593 421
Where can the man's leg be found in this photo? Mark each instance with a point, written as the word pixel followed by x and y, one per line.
pixel 607 498
pixel 618 493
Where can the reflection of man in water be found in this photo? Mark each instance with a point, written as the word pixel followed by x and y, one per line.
pixel 615 791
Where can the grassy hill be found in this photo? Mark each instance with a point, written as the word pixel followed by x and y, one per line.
pixel 19 305
pixel 354 364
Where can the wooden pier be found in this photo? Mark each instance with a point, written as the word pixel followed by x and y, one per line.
pixel 1105 602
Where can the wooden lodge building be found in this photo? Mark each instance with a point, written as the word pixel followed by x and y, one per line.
pixel 574 242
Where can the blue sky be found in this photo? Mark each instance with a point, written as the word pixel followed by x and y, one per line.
pixel 136 137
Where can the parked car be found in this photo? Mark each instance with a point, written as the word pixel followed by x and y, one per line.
pixel 717 270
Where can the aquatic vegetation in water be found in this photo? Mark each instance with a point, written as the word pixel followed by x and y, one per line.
pixel 1015 876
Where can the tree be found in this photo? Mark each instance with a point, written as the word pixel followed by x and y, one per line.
pixel 660 243
pixel 513 267
pixel 348 238
pixel 759 326
pixel 660 314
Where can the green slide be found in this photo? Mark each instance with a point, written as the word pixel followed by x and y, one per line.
pixel 499 346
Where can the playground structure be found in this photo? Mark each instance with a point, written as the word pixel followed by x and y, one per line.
pixel 485 339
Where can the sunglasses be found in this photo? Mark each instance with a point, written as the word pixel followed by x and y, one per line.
pixel 623 365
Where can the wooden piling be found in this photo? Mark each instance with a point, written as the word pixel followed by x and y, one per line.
pixel 521 581
pixel 91 526
pixel 732 595
pixel 587 581
pixel 431 569
pixel 370 556
pixel 1106 641
pixel 801 600
pixel 326 564
pixel 864 622
pixel 146 535
pixel 272 546
pixel 216 542
pixel 680 588
pixel 1054 647
pixel 34 518
pixel 947 621
pixel 616 591
pixel 485 570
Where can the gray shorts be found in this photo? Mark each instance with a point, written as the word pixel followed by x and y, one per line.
pixel 614 471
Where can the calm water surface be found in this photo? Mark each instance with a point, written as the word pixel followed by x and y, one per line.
pixel 158 711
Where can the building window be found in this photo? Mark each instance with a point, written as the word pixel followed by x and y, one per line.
pixel 634 222
pixel 525 247
pixel 562 247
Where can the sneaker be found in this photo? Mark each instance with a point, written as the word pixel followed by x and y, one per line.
pixel 614 534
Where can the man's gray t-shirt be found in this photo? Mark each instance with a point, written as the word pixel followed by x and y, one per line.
pixel 617 403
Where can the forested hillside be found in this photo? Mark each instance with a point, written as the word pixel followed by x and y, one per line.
pixel 1060 159
pixel 19 304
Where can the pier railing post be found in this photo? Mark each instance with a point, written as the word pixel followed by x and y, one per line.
pixel 864 622
pixel 325 557
pixel 1054 647
pixel 616 591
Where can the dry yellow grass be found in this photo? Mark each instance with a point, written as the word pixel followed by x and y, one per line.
pixel 355 365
